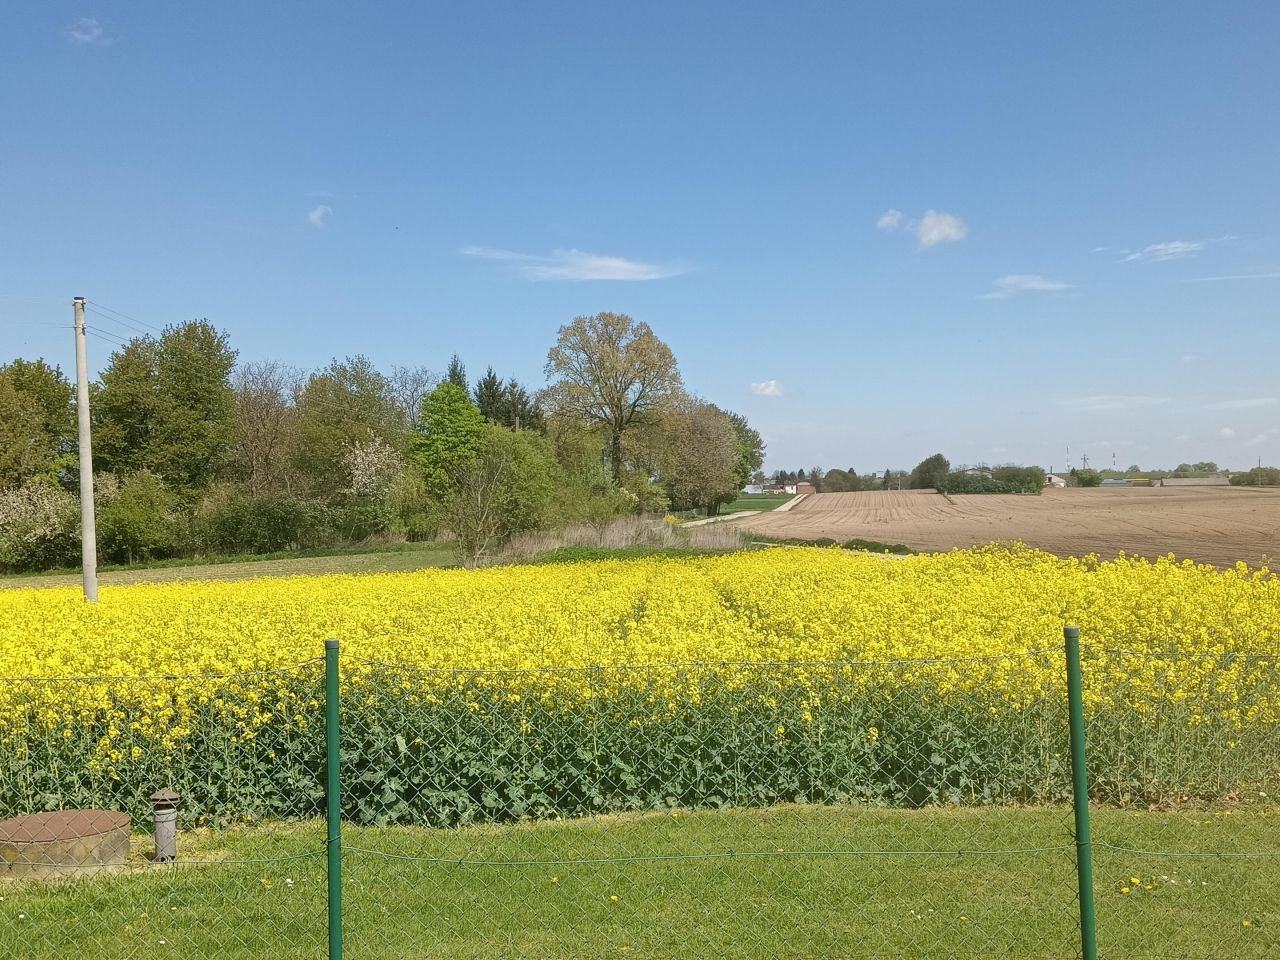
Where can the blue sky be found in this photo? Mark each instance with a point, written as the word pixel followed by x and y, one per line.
pixel 877 230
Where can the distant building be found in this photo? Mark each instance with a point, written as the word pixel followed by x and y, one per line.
pixel 753 488
pixel 1053 480
pixel 803 488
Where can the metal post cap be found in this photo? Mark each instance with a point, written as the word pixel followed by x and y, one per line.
pixel 164 798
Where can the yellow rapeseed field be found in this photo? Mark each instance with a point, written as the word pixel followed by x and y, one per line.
pixel 783 604
pixel 948 628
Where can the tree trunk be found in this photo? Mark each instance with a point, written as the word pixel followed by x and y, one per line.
pixel 615 453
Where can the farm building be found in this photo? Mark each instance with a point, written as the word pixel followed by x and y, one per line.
pixel 801 487
pixel 1053 480
pixel 1195 482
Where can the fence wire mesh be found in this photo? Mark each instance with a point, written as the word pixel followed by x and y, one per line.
pixel 1184 752
pixel 797 809
pixel 908 809
pixel 244 755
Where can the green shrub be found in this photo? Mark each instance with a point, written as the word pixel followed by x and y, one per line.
pixel 141 520
pixel 232 520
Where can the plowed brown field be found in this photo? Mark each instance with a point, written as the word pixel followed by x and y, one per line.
pixel 1219 525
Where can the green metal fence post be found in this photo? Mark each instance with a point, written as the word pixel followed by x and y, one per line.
pixel 333 780
pixel 1080 797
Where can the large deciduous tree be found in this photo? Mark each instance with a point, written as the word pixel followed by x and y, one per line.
pixel 612 372
pixel 931 472
pixel 167 405
pixel 348 402
pixel 37 421
pixel 703 457
pixel 446 438
pixel 266 425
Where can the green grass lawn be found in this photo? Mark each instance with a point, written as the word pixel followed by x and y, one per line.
pixel 736 884
pixel 757 501
pixel 365 559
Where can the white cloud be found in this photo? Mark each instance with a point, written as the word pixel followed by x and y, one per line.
pixel 1190 357
pixel 86 31
pixel 767 388
pixel 1015 283
pixel 933 228
pixel 890 220
pixel 319 216
pixel 1247 404
pixel 1275 275
pixel 1111 401
pixel 1226 433
pixel 575 265
pixel 1184 438
pixel 938 227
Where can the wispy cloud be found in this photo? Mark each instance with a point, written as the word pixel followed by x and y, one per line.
pixel 86 31
pixel 1267 436
pixel 935 227
pixel 1274 275
pixel 320 215
pixel 1184 438
pixel 1226 433
pixel 1016 283
pixel 767 388
pixel 1249 403
pixel 1112 401
pixel 575 265
pixel 1169 250
pixel 1190 357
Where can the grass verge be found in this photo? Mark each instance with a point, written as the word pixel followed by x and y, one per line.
pixel 783 882
pixel 364 559
pixel 757 501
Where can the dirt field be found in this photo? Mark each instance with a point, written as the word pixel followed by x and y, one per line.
pixel 1217 525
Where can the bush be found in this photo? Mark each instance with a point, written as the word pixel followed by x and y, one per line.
pixel 1000 480
pixel 39 527
pixel 141 520
pixel 232 520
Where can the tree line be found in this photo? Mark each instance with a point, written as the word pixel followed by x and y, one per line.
pixel 932 473
pixel 196 453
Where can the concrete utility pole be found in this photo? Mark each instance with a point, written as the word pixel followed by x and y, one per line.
pixel 88 526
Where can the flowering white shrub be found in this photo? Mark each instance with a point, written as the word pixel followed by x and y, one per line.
pixel 39 527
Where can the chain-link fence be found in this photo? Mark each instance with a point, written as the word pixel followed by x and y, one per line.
pixel 909 809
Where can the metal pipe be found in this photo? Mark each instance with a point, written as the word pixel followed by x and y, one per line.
pixel 164 805
pixel 334 805
pixel 1080 796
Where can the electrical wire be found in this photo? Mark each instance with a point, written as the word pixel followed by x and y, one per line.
pixel 119 313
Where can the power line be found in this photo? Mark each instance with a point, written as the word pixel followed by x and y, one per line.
pixel 124 323
pixel 119 313
pixel 107 338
